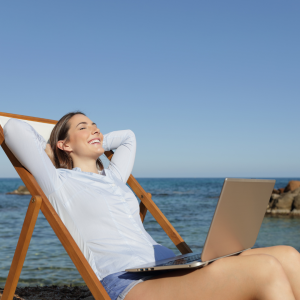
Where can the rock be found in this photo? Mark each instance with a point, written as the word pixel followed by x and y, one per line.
pixel 280 211
pixel 275 196
pixel 272 199
pixel 297 202
pixel 296 191
pixel 292 185
pixel 284 201
pixel 21 190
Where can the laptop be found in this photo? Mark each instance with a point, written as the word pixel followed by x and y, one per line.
pixel 234 228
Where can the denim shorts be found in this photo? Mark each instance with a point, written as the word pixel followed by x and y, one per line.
pixel 118 285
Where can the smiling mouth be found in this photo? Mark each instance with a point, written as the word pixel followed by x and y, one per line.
pixel 95 141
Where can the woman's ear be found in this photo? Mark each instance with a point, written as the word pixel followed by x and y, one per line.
pixel 63 146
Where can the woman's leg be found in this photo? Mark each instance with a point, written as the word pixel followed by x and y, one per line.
pixel 289 258
pixel 245 277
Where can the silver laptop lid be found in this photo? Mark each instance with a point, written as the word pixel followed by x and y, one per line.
pixel 238 216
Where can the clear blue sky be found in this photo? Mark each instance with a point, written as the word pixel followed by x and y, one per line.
pixel 210 88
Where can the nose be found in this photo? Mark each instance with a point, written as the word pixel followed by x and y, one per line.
pixel 97 130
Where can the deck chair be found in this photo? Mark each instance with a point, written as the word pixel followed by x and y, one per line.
pixel 40 202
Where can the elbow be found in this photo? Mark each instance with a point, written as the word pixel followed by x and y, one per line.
pixel 131 134
pixel 10 127
pixel 131 137
pixel 15 129
pixel 11 132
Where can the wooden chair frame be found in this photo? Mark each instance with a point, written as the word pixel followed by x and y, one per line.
pixel 39 201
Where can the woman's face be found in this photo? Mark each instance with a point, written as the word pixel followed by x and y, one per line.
pixel 85 139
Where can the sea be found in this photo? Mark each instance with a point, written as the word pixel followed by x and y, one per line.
pixel 188 203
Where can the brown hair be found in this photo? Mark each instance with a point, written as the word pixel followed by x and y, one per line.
pixel 60 131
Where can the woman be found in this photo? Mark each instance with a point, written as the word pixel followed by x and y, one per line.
pixel 102 215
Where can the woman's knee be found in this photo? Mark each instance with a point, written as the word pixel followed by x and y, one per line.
pixel 272 278
pixel 260 267
pixel 267 274
pixel 269 265
pixel 289 256
pixel 256 275
pixel 288 251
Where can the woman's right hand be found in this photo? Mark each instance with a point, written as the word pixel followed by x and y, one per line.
pixel 49 152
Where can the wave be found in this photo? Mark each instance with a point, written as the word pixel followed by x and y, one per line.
pixel 173 193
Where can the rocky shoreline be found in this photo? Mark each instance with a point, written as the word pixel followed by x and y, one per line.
pixel 21 190
pixel 285 201
pixel 52 292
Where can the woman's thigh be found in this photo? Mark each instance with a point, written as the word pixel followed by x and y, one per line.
pixel 234 278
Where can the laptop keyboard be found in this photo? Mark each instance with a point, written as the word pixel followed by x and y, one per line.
pixel 182 261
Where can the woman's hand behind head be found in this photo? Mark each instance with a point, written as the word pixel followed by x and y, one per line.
pixel 49 152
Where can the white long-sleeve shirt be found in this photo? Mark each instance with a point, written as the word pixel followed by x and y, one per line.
pixel 99 210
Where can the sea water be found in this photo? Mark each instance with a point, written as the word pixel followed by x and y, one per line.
pixel 188 203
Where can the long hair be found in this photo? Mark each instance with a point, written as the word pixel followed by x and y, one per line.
pixel 60 131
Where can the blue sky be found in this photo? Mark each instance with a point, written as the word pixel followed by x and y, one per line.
pixel 210 88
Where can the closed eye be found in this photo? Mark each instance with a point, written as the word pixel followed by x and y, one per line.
pixel 82 128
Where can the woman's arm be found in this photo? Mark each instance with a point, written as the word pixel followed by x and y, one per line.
pixel 29 148
pixel 125 144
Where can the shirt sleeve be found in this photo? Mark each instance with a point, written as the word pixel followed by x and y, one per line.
pixel 122 161
pixel 28 147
